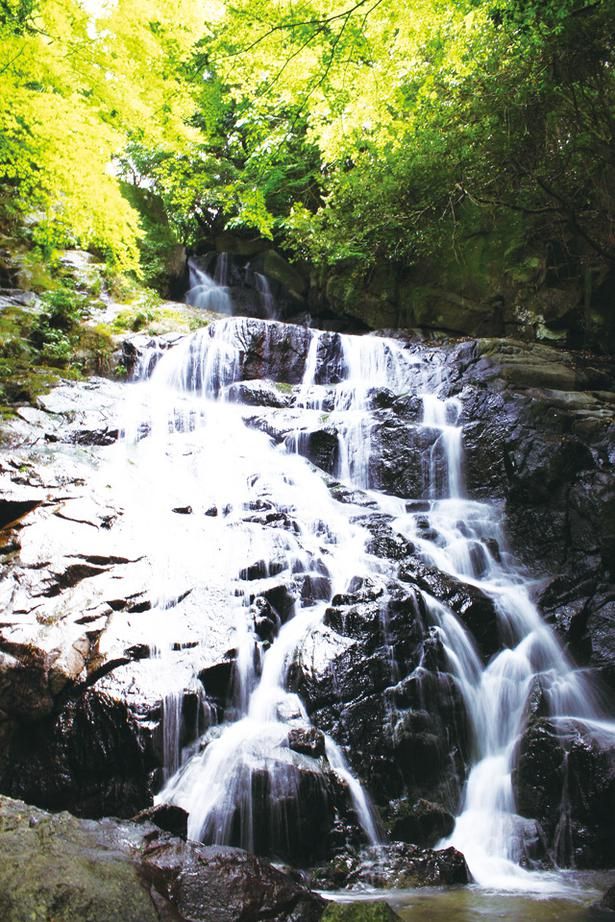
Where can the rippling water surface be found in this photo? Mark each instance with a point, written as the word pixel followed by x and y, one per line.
pixel 574 893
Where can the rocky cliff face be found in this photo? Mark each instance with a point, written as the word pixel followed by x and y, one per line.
pixel 490 284
pixel 85 698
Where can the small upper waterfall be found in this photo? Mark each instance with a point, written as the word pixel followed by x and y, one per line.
pixel 209 293
pixel 265 295
pixel 269 537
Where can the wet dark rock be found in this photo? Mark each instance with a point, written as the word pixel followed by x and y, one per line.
pixel 321 447
pixel 599 636
pixel 421 823
pixel 385 542
pixel 92 756
pixel 474 608
pixel 309 741
pixel 409 407
pixel 397 465
pixel 529 843
pixel 136 348
pixel 13 510
pixel 360 589
pixel 293 807
pixel 274 351
pixel 109 870
pixel 218 884
pixel 24 682
pixel 565 602
pixel 345 494
pixel 402 736
pixel 261 569
pixel 565 778
pixel 217 680
pixel 167 817
pixel 266 622
pixel 397 865
pixel 282 600
pixel 607 903
pixel 382 635
pixel 330 360
pixel 315 587
pixel 538 436
pixel 94 436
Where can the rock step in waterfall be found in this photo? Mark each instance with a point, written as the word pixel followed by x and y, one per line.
pixel 340 570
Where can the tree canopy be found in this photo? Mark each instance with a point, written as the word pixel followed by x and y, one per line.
pixel 353 131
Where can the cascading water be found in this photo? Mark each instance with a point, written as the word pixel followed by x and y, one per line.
pixel 207 293
pixel 265 296
pixel 262 517
pixel 462 537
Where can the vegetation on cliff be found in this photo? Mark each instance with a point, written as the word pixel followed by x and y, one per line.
pixel 355 133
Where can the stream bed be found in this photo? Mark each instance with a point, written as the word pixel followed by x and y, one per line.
pixel 569 899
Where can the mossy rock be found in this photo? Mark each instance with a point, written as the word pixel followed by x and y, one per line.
pixel 275 267
pixel 378 911
pixel 62 869
pixel 241 246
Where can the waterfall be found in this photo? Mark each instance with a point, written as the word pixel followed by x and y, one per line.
pixel 244 780
pixel 462 537
pixel 207 293
pixel 265 296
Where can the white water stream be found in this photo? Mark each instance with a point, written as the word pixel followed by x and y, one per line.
pixel 206 292
pixel 200 452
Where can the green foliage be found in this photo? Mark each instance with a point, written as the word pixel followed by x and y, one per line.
pixel 352 134
pixel 54 332
pixel 377 911
pixel 22 375
pixel 16 15
pixel 396 117
pixel 71 96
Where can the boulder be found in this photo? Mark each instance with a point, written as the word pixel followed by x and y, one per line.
pixel 259 394
pixel 607 903
pixel 396 865
pixel 421 823
pixel 402 736
pixel 109 870
pixel 565 778
pixel 474 608
pixel 273 350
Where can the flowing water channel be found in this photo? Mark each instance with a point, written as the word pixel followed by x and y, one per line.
pixel 197 447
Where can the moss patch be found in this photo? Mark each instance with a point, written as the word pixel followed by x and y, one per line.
pixel 360 912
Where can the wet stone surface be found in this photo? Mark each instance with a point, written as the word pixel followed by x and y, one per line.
pixel 106 645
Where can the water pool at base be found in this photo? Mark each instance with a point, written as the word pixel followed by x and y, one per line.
pixel 571 901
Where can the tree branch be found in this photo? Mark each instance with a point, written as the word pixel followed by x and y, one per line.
pixel 289 26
